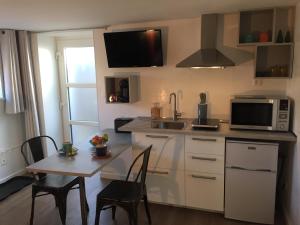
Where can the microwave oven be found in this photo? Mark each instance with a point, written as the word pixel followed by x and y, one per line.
pixel 260 113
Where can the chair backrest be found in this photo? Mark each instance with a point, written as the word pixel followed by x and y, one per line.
pixel 143 170
pixel 36 148
pixel 35 145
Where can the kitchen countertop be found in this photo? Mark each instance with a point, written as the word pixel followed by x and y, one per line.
pixel 143 124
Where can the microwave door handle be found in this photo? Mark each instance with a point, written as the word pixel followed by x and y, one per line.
pixel 275 114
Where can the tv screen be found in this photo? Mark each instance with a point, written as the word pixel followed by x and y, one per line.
pixel 134 48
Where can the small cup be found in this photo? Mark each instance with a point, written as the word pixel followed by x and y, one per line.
pixel 67 147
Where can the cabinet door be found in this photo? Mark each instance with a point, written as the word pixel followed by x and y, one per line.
pixel 118 168
pixel 204 191
pixel 205 145
pixel 250 195
pixel 167 149
pixel 165 186
pixel 252 155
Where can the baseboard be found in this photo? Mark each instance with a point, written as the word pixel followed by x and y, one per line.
pixel 19 172
pixel 286 216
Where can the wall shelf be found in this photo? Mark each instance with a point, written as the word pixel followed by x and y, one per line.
pixel 264 44
pixel 274 61
pixel 253 23
pixel 271 21
pixel 274 58
pixel 121 89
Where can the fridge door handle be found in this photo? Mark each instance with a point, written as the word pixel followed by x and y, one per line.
pixel 237 168
pixel 257 170
pixel 263 170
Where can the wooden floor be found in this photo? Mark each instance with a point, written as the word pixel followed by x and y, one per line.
pixel 15 210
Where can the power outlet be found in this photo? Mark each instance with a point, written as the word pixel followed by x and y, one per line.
pixel 3 161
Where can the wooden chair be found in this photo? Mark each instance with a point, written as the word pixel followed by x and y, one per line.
pixel 126 194
pixel 57 185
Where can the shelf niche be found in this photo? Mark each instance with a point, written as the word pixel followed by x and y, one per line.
pixel 284 21
pixel 252 23
pixel 274 61
pixel 122 89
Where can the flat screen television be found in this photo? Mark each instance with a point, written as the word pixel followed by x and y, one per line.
pixel 134 48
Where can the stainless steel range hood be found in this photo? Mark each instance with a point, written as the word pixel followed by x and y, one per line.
pixel 208 56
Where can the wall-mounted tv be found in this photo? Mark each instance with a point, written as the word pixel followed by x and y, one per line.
pixel 134 48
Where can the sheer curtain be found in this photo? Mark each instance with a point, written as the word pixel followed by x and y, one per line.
pixel 10 70
pixel 18 79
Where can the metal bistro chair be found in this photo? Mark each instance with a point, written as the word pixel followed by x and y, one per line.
pixel 126 194
pixel 57 185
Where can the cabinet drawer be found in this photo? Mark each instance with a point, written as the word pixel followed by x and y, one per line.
pixel 165 186
pixel 204 163
pixel 205 145
pixel 205 191
pixel 167 150
pixel 252 155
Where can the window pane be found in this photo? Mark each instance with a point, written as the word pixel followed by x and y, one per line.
pixel 80 63
pixel 83 104
pixel 82 134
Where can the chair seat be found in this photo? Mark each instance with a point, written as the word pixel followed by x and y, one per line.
pixel 56 181
pixel 121 191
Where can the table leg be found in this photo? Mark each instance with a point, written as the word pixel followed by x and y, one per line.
pixel 83 201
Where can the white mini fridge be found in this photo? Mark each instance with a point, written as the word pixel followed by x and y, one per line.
pixel 250 181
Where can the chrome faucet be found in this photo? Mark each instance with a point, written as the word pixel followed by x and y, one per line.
pixel 175 113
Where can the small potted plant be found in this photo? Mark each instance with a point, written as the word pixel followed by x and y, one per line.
pixel 99 142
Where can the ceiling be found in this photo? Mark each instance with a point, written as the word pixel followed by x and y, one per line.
pixel 45 15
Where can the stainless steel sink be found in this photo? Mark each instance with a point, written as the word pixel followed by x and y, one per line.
pixel 160 124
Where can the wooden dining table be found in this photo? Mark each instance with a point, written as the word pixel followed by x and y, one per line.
pixel 83 164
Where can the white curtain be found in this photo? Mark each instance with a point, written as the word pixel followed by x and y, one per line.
pixel 32 126
pixel 10 70
pixel 17 71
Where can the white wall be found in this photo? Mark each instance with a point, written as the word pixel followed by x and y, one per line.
pixel 12 135
pixel 292 203
pixel 183 38
pixel 50 90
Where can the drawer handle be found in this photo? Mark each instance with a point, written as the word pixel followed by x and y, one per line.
pixel 251 148
pixel 204 177
pixel 158 172
pixel 204 139
pixel 204 158
pixel 157 136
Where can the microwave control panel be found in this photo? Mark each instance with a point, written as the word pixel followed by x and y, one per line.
pixel 283 115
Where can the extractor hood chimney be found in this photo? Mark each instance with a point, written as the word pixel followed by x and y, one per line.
pixel 208 56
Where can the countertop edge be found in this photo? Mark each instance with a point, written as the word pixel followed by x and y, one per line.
pixel 143 125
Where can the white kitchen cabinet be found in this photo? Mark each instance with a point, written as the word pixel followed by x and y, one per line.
pixel 165 177
pixel 184 170
pixel 204 191
pixel 204 172
pixel 166 186
pixel 118 168
pixel 167 149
